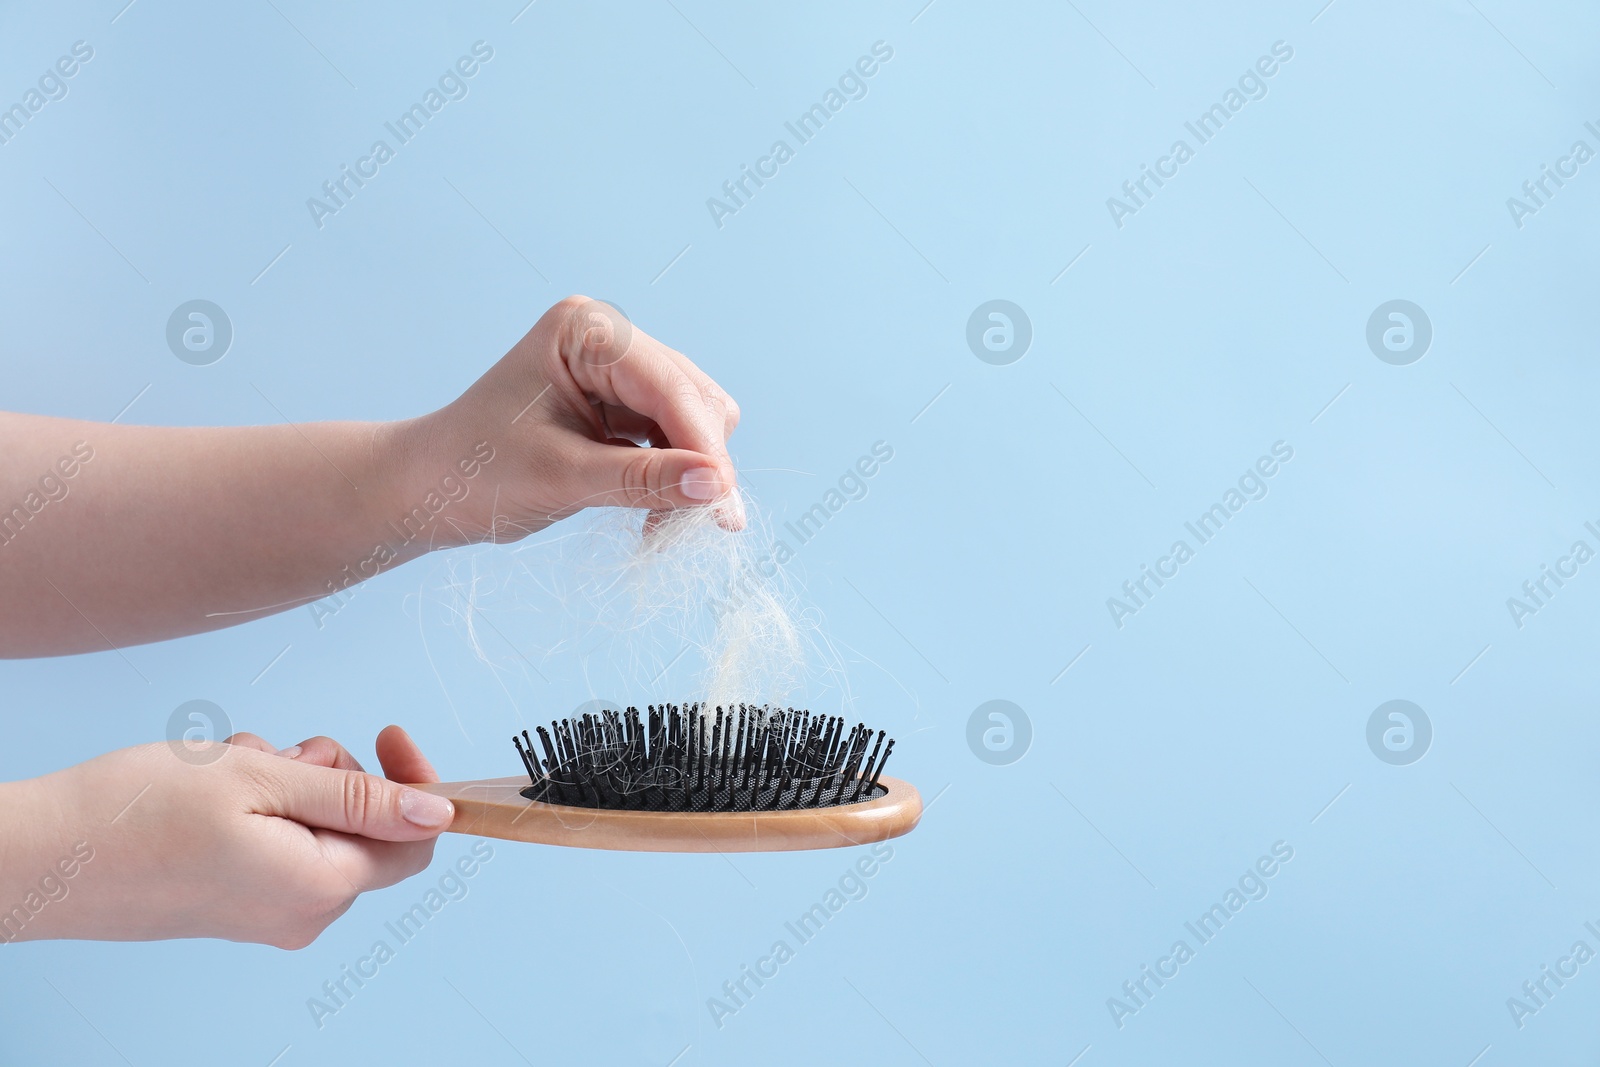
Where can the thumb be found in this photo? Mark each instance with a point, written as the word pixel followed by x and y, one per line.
pixel 402 760
pixel 354 802
pixel 621 474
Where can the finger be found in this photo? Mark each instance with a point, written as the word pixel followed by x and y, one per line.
pixel 402 760
pixel 619 475
pixel 730 515
pixel 245 739
pixel 646 378
pixel 351 802
pixel 325 752
pixel 368 864
pixel 717 399
pixel 729 512
pixel 723 409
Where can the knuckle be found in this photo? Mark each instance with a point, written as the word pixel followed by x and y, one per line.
pixel 566 307
pixel 304 921
pixel 557 326
pixel 296 937
pixel 334 914
pixel 722 405
pixel 684 393
pixel 592 332
pixel 363 798
pixel 263 777
pixel 420 860
pixel 641 478
pixel 408 862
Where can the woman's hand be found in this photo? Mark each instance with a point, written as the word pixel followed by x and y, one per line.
pixel 112 535
pixel 234 841
pixel 585 410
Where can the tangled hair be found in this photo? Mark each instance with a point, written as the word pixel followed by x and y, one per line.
pixel 664 588
pixel 706 585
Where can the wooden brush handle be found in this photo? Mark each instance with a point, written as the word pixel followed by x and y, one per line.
pixel 495 807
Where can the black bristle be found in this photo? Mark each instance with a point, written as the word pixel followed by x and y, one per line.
pixel 528 760
pixel 701 758
pixel 867 773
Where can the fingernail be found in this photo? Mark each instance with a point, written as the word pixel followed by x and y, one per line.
pixel 289 753
pixel 730 515
pixel 426 810
pixel 702 484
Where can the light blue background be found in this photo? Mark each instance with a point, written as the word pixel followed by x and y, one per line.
pixel 1223 317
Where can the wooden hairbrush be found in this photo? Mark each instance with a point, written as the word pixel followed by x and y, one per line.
pixel 692 780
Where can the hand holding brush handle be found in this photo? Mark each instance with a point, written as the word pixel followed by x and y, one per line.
pixel 114 535
pixel 233 840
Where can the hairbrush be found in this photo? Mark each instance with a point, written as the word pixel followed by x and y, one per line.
pixel 693 779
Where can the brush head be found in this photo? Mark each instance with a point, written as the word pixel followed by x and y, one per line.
pixel 698 759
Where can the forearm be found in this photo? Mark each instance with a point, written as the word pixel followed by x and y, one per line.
pixel 116 535
pixel 113 535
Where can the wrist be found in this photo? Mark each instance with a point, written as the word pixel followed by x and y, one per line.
pixel 430 497
pixel 37 859
pixel 440 495
pixel 401 450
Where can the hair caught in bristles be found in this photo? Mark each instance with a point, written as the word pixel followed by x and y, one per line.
pixel 687 758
